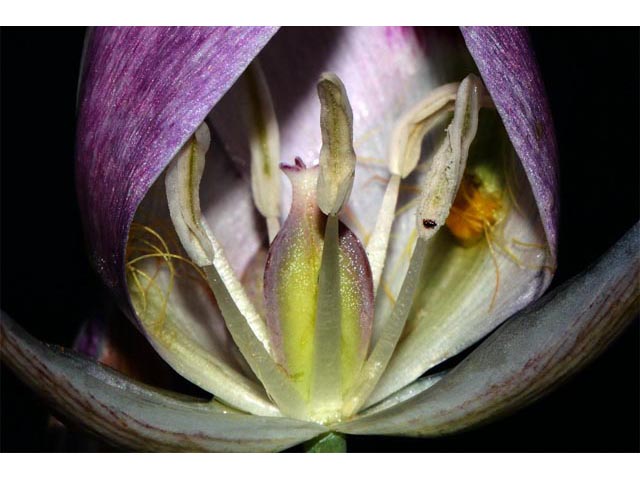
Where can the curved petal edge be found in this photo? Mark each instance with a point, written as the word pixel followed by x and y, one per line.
pixel 505 58
pixel 134 416
pixel 143 92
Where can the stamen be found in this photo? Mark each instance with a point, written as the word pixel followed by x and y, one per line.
pixel 445 171
pixel 182 184
pixel 386 344
pixel 245 325
pixel 404 154
pixel 410 130
pixel 379 240
pixel 337 157
pixel 264 145
pixel 275 379
pixel 443 178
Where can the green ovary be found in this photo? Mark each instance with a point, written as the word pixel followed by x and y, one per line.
pixel 297 301
pixel 294 272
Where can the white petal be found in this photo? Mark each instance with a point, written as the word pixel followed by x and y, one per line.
pixel 134 416
pixel 531 354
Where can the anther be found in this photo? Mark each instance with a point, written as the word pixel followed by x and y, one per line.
pixel 337 157
pixel 447 167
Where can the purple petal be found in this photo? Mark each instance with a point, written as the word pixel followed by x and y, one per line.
pixel 143 92
pixel 505 59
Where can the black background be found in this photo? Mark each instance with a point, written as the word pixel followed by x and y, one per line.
pixel 592 81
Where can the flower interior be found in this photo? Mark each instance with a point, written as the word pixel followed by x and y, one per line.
pixel 325 314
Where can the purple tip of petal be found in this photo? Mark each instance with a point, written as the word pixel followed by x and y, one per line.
pixel 505 59
pixel 143 92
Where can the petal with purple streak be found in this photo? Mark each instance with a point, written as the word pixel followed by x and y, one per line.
pixel 143 92
pixel 133 415
pixel 508 67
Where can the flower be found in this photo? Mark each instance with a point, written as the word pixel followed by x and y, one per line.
pixel 158 115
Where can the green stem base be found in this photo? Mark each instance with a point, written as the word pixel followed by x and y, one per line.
pixel 331 442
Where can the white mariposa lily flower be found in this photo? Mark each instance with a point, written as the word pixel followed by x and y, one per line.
pixel 423 214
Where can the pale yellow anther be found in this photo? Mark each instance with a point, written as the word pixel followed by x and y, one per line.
pixel 404 154
pixel 411 128
pixel 337 156
pixel 264 144
pixel 445 170
pixel 183 195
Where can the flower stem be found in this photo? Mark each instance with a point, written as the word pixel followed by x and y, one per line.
pixel 331 442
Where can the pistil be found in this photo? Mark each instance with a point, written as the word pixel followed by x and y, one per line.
pixel 335 181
